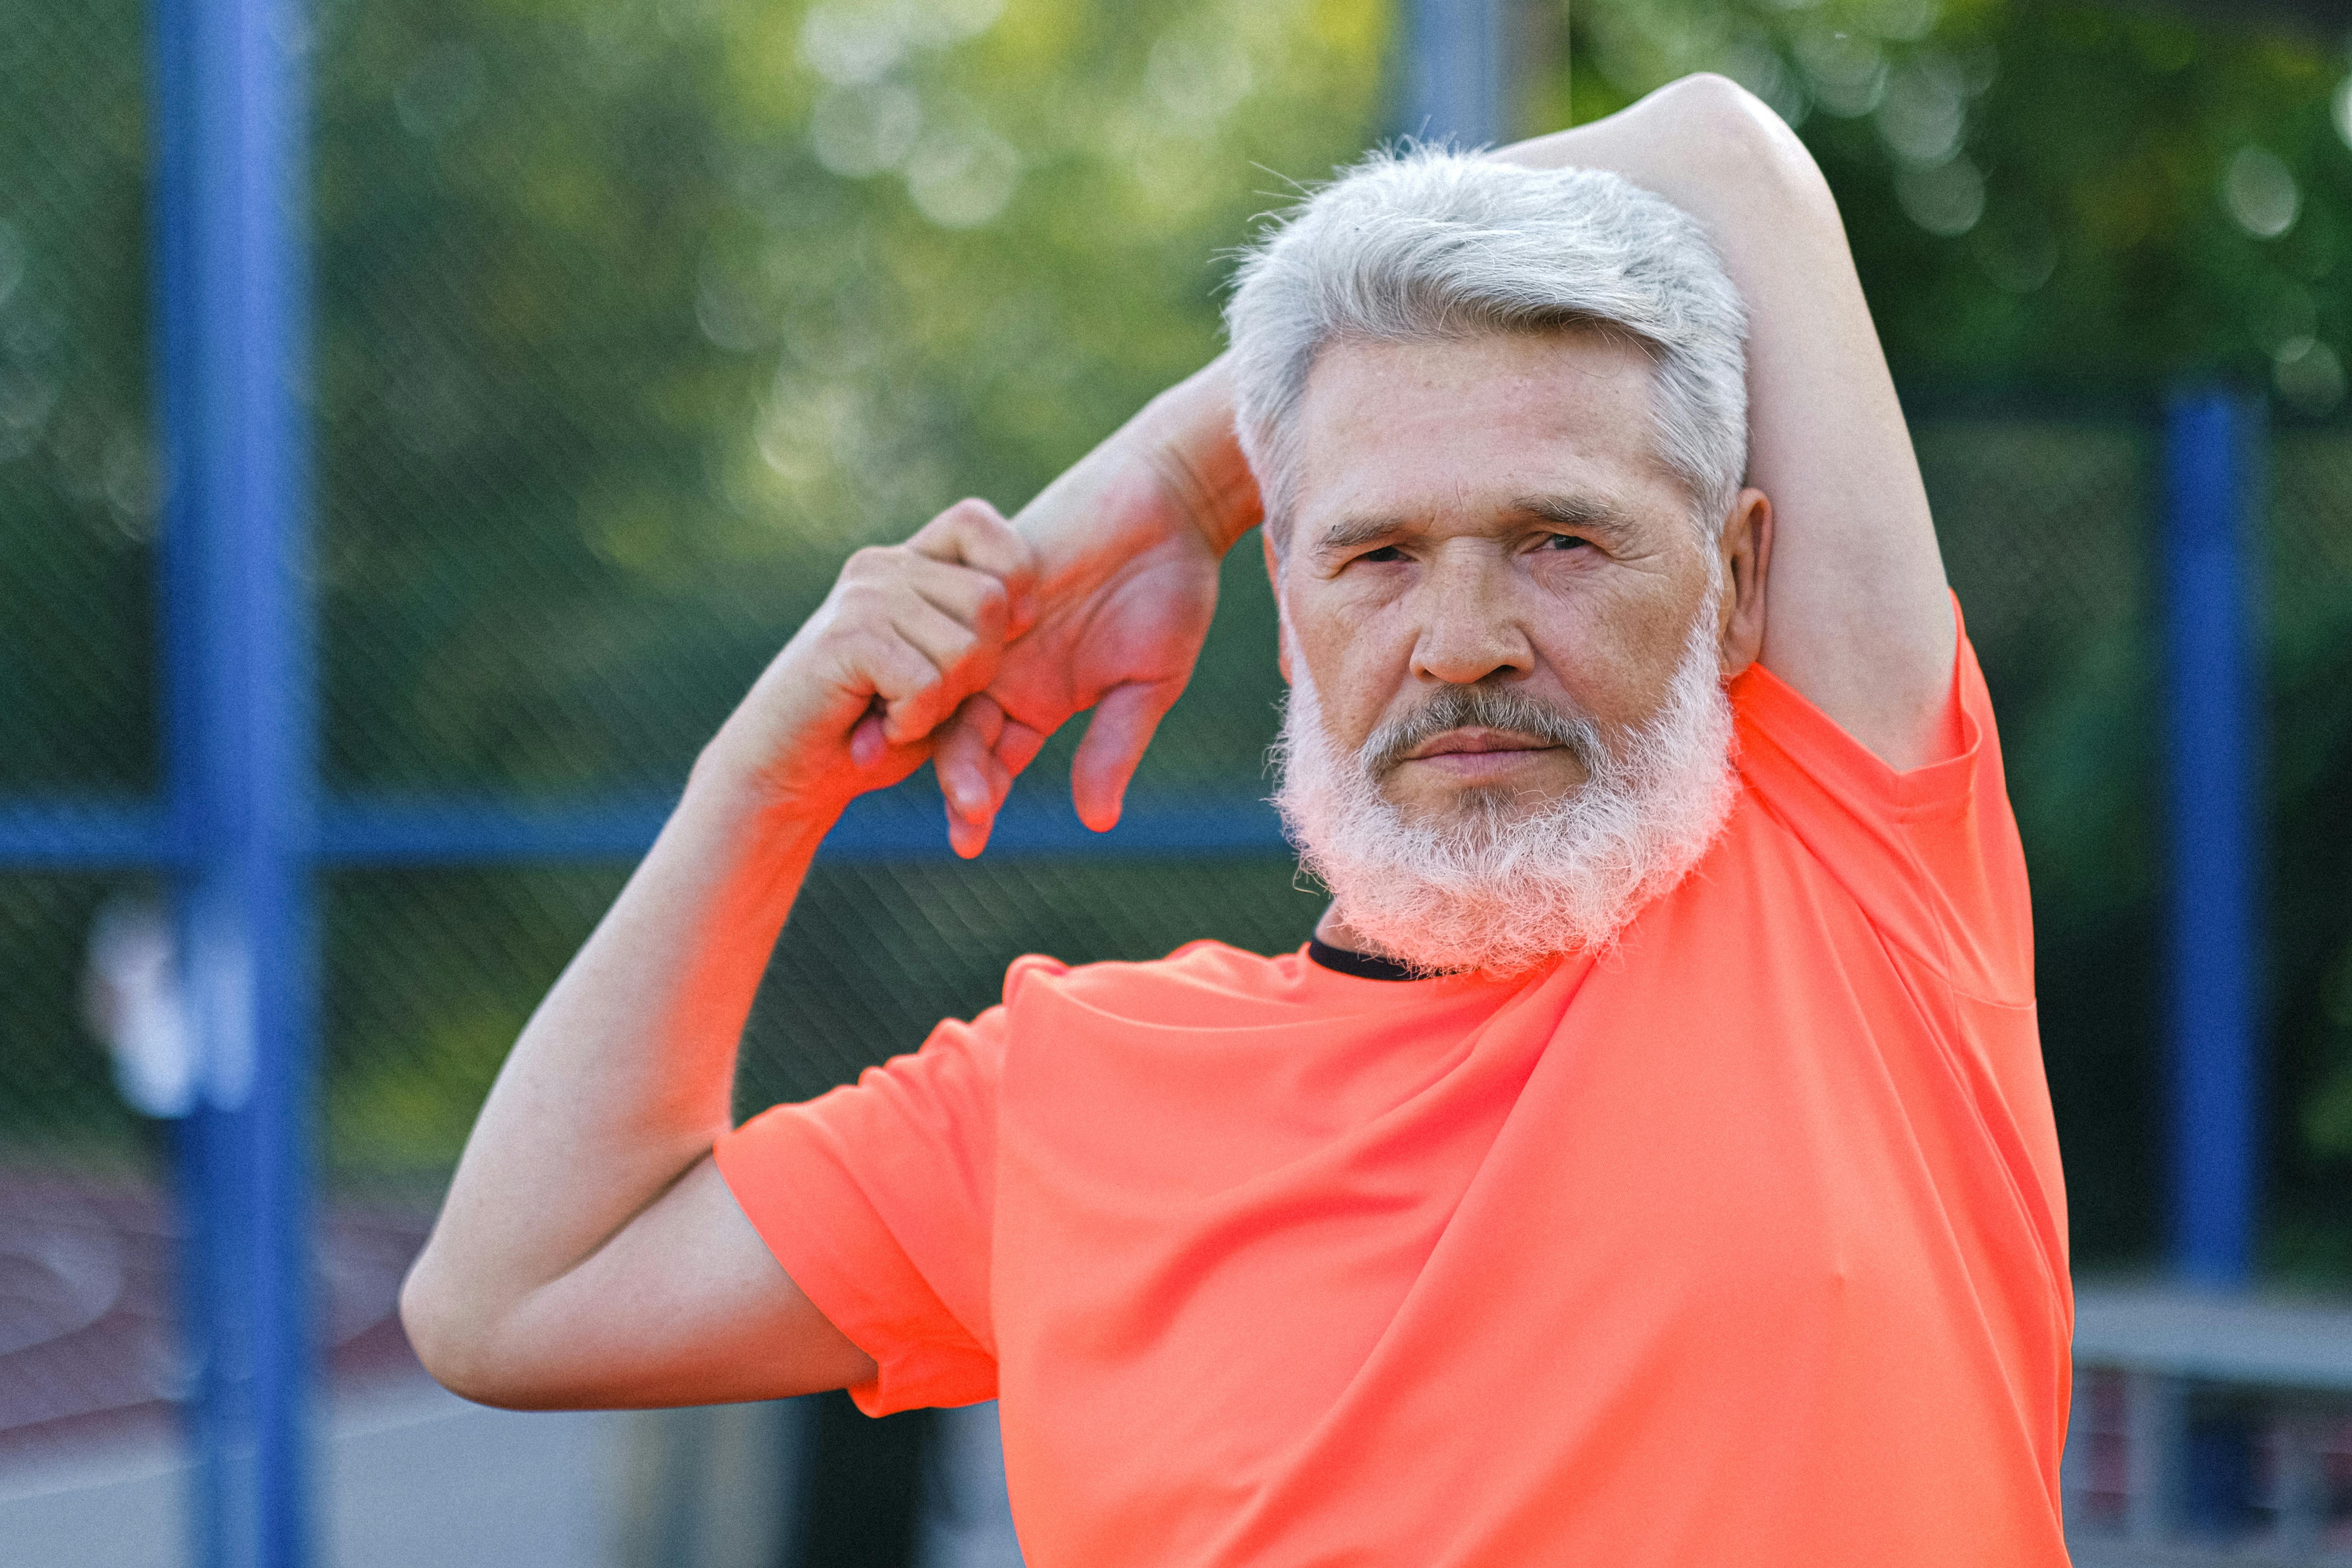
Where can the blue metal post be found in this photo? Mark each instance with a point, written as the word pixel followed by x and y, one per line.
pixel 230 296
pixel 2209 440
pixel 1456 78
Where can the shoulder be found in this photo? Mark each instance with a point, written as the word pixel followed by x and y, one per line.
pixel 1930 853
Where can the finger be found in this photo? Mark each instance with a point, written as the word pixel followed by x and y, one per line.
pixel 976 775
pixel 970 778
pixel 972 598
pixel 1017 748
pixel 1114 741
pixel 867 744
pixel 975 534
pixel 965 761
pixel 903 679
pixel 961 662
pixel 967 839
pixel 878 762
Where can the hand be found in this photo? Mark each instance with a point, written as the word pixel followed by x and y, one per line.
pixel 855 701
pixel 1128 544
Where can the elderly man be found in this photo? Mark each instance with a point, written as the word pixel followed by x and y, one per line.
pixel 1648 1162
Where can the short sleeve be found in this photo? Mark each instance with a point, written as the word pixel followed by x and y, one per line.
pixel 878 1200
pixel 1931 854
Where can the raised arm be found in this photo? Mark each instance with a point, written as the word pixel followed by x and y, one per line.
pixel 589 1253
pixel 1857 617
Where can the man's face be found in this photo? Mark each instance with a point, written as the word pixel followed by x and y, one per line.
pixel 1487 514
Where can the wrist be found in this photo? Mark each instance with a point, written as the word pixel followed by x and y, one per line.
pixel 1186 435
pixel 741 799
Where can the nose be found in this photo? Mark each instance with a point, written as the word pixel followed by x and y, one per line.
pixel 1468 631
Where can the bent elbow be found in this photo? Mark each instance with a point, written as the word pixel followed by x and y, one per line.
pixel 450 1340
pixel 476 1351
pixel 1743 135
pixel 1725 109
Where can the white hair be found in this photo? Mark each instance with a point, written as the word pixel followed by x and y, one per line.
pixel 1427 243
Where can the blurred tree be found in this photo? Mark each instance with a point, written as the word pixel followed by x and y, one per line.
pixel 634 315
pixel 633 319
pixel 78 487
pixel 2060 196
pixel 632 307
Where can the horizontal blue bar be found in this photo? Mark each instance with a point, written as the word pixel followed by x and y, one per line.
pixel 81 835
pixel 910 826
pixel 893 826
pixel 363 831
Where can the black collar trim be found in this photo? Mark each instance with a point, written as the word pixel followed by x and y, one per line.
pixel 1362 965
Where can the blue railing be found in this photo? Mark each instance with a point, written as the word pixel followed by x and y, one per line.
pixel 2211 439
pixel 244 828
pixel 903 824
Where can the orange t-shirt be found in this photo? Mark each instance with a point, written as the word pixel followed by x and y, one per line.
pixel 1743 1245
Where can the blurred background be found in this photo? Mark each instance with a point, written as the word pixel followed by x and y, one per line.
pixel 622 321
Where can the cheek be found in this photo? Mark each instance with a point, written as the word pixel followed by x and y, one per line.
pixel 1351 665
pixel 1617 668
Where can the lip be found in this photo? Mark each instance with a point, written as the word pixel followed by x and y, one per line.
pixel 1480 756
pixel 1476 743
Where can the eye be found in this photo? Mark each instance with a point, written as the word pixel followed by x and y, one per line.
pixel 1386 553
pixel 1566 541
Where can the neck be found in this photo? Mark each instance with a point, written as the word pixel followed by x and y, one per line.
pixel 1333 931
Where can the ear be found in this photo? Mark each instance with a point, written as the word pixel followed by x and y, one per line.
pixel 1746 563
pixel 1274 575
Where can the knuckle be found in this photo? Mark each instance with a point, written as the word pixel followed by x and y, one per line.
pixel 861 605
pixel 972 511
pixel 918 673
pixel 865 647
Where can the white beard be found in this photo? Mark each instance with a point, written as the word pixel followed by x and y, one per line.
pixel 1509 882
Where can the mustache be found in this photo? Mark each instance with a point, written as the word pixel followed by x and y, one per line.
pixel 1484 708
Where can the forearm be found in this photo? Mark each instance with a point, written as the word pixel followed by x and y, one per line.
pixel 623 1079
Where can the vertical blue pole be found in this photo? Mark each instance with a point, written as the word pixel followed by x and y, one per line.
pixel 2210 438
pixel 230 291
pixel 1455 80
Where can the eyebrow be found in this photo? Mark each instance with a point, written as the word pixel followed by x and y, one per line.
pixel 1353 532
pixel 1591 514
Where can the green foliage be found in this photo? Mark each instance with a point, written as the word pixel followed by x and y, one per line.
pixel 2049 194
pixel 633 316
pixel 636 317
pixel 78 488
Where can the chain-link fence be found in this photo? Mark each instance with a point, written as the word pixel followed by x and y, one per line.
pixel 86 1246
pixel 626 337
